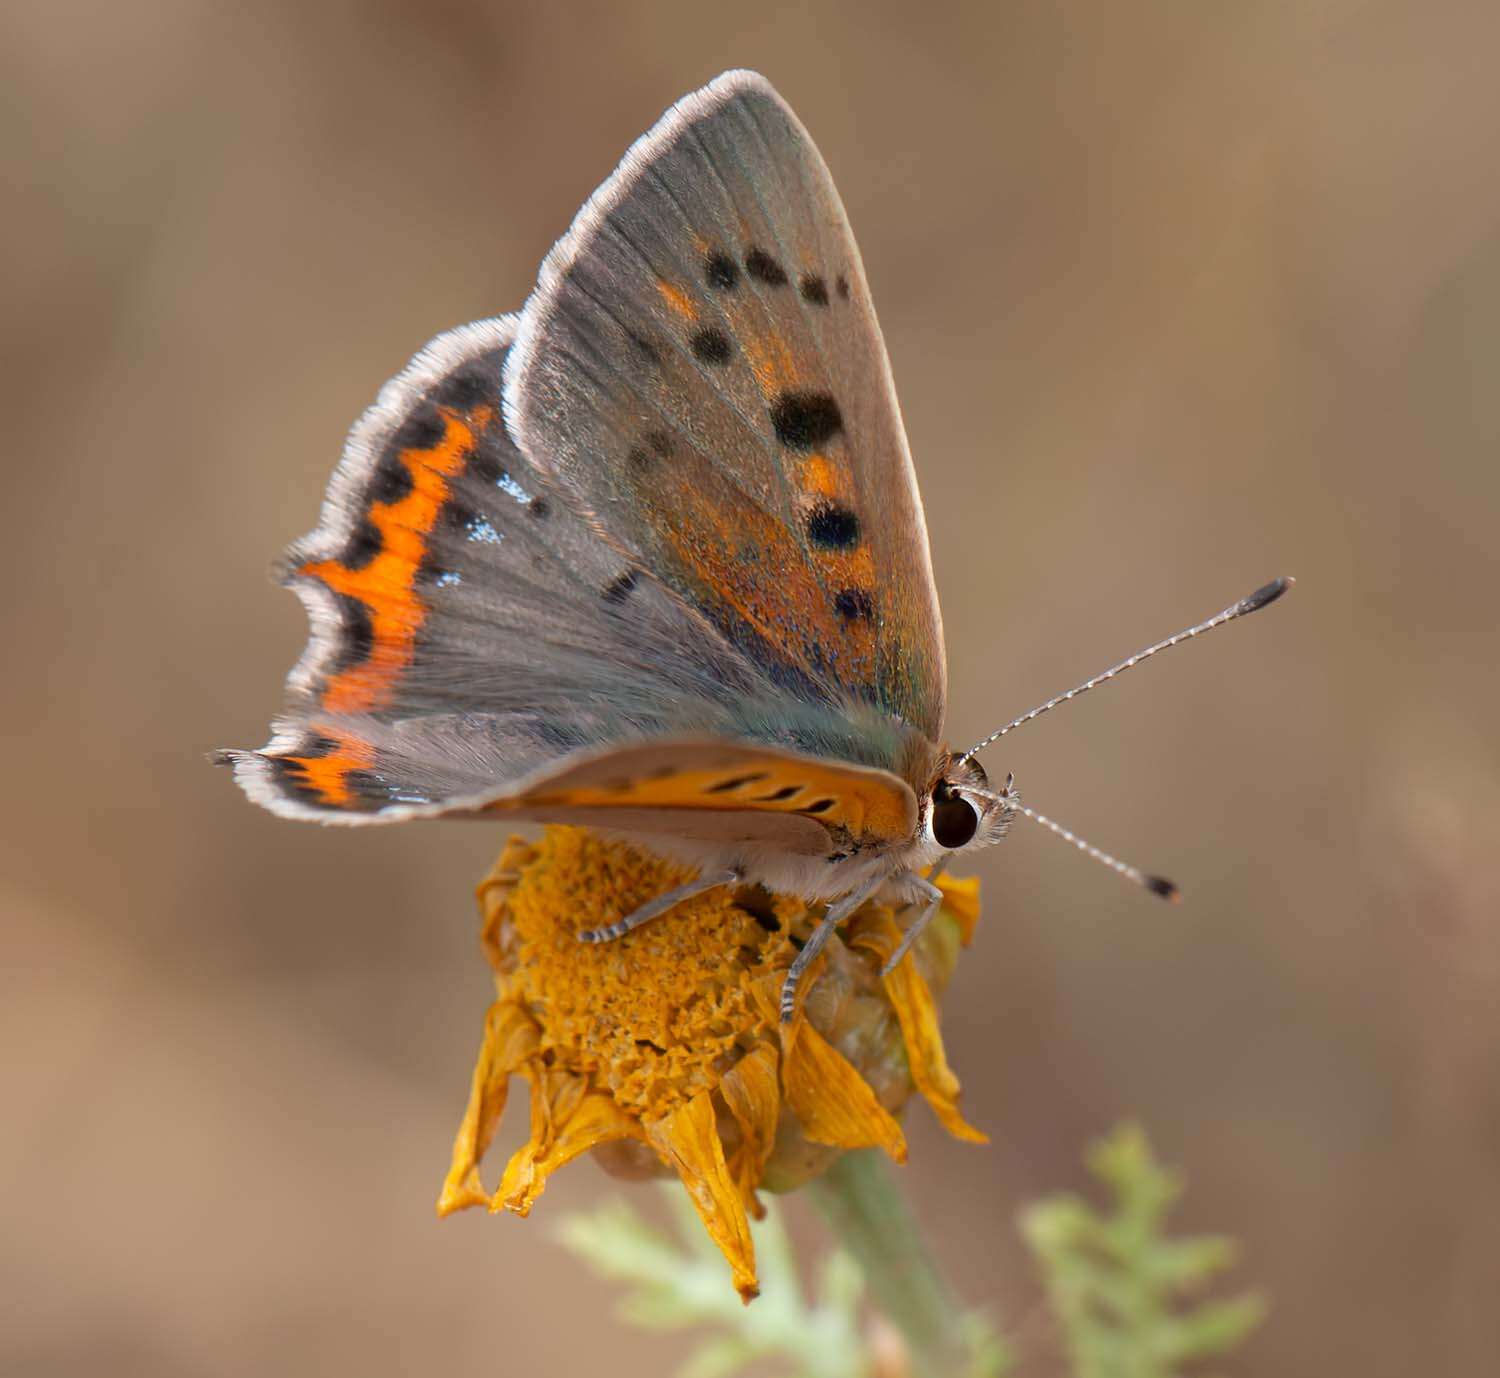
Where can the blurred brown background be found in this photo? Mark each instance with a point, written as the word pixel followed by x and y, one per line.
pixel 1179 297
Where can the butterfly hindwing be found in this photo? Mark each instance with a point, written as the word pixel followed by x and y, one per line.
pixel 468 627
pixel 701 365
pixel 673 787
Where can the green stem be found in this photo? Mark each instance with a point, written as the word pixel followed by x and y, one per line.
pixel 869 1216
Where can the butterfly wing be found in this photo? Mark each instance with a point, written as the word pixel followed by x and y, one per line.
pixel 477 647
pixel 702 367
pixel 717 791
pixel 492 616
pixel 461 612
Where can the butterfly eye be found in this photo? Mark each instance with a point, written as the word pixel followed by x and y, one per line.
pixel 954 819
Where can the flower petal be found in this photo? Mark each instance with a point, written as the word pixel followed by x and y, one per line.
pixel 834 1104
pixel 494 892
pixel 917 1011
pixel 688 1139
pixel 751 1092
pixel 961 901
pixel 509 1039
pixel 567 1119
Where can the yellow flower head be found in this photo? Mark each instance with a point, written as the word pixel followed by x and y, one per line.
pixel 663 1051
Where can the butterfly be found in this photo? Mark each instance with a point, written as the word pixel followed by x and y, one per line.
pixel 649 555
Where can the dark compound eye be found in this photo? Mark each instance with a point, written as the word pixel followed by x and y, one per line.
pixel 954 819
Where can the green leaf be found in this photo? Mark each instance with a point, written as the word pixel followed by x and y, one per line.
pixel 990 1354
pixel 1118 1286
pixel 718 1358
pixel 676 1284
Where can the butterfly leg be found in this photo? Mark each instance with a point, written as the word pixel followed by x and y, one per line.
pixel 836 913
pixel 934 898
pixel 660 905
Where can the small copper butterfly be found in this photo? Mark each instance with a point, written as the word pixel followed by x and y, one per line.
pixel 649 555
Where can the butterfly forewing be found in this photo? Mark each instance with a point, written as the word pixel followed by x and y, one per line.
pixel 702 367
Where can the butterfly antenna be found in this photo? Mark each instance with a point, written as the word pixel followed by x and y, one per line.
pixel 1262 597
pixel 1011 801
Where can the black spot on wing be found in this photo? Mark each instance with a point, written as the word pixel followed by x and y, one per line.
pixel 842 284
pixel 364 545
pixel 356 631
pixel 465 389
pixel 854 605
pixel 291 777
pixel 423 429
pixel 818 806
pixel 712 345
pixel 736 782
pixel 540 508
pixel 618 590
pixel 721 271
pixel 761 266
pixel 806 420
pixel 831 527
pixel 391 481
pixel 776 796
pixel 814 290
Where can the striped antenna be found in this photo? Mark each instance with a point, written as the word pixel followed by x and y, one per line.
pixel 1262 597
pixel 1010 800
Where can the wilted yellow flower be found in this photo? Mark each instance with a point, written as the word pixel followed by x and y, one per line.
pixel 663 1051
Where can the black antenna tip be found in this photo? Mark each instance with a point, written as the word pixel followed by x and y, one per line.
pixel 1160 885
pixel 1263 597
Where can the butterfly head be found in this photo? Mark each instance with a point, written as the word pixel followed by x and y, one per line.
pixel 962 810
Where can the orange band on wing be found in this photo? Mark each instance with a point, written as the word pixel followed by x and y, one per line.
pixel 322 776
pixel 387 585
pixel 833 797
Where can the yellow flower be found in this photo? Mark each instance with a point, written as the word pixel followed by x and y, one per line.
pixel 663 1051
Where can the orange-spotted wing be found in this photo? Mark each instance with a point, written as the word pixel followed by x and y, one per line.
pixel 670 503
pixel 702 366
